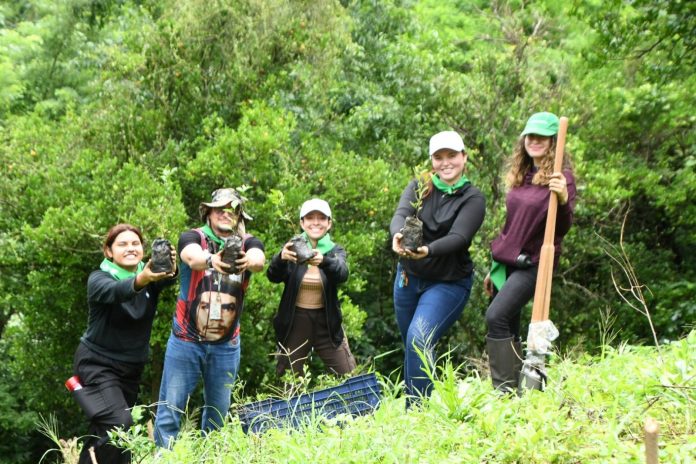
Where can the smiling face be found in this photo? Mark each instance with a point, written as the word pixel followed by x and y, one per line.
pixel 449 165
pixel 315 225
pixel 223 220
pixel 537 146
pixel 126 251
pixel 212 324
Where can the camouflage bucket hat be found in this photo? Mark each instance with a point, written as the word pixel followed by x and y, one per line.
pixel 224 197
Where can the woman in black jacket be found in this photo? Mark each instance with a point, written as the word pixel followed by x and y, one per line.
pixel 309 316
pixel 122 298
pixel 433 281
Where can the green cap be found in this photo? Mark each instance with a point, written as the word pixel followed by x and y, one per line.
pixel 541 124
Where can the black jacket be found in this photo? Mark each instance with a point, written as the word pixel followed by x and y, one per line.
pixel 120 318
pixel 449 225
pixel 333 271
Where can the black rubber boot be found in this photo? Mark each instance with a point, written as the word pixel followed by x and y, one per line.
pixel 519 361
pixel 505 362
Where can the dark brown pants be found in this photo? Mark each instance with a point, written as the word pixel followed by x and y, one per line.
pixel 309 331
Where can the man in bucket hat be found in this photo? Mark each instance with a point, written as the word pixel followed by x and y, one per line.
pixel 224 198
pixel 205 331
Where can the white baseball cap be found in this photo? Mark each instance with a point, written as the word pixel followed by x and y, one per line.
pixel 315 204
pixel 446 139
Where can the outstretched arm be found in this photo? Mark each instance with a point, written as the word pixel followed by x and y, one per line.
pixel 256 259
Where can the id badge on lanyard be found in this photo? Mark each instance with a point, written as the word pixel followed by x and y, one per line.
pixel 215 305
pixel 216 308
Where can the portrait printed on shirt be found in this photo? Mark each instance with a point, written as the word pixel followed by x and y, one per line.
pixel 214 311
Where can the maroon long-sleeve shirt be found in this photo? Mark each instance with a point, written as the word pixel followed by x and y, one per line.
pixel 527 208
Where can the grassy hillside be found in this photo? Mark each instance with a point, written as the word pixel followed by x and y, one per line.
pixel 593 411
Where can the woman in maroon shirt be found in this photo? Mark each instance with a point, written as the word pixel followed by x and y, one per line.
pixel 516 250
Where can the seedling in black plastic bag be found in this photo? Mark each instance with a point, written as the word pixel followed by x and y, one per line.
pixel 231 252
pixel 413 227
pixel 161 256
pixel 302 249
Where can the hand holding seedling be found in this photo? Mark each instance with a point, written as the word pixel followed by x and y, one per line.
pixel 218 264
pixel 420 253
pixel 146 276
pixel 242 262
pixel 317 259
pixel 287 253
pixel 396 244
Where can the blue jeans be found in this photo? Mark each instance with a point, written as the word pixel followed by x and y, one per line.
pixel 425 309
pixel 184 364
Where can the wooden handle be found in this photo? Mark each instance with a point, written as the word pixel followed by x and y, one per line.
pixel 651 433
pixel 542 291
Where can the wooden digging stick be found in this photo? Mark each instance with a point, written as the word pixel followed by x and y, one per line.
pixel 542 292
pixel 651 433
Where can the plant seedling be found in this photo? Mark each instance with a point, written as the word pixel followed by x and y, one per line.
pixel 302 249
pixel 413 227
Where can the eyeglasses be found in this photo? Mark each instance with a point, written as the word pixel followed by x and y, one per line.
pixel 221 211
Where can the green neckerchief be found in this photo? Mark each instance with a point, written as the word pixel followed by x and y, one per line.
pixel 117 272
pixel 449 189
pixel 324 244
pixel 211 235
pixel 498 274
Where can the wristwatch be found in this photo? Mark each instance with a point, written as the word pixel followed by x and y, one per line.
pixel 209 260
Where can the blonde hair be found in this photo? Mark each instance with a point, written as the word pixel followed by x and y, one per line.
pixel 520 163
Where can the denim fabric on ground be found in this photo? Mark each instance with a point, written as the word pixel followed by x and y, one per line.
pixel 424 311
pixel 184 365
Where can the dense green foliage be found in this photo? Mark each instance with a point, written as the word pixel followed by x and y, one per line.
pixel 134 110
pixel 593 412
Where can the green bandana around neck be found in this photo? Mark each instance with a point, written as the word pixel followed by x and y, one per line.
pixel 324 244
pixel 211 235
pixel 449 189
pixel 117 272
pixel 498 274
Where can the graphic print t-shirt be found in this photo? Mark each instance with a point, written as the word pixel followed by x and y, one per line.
pixel 209 303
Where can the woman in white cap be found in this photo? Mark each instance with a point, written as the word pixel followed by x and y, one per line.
pixel 433 282
pixel 309 316
pixel 516 250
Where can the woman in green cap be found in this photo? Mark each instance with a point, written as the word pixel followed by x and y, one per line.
pixel 512 279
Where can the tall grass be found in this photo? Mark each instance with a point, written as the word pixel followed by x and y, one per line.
pixel 593 411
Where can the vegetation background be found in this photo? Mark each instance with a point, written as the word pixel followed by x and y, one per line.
pixel 135 111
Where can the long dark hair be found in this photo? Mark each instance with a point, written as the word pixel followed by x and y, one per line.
pixel 115 231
